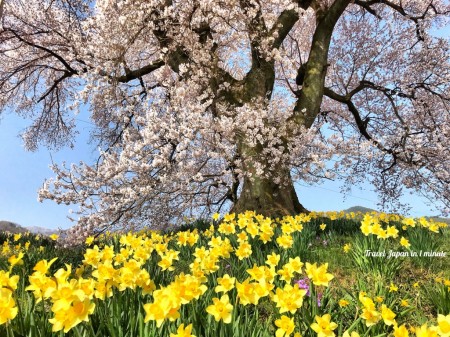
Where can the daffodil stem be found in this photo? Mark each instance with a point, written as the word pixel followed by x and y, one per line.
pixel 8 330
pixel 355 323
pixel 22 327
pixel 91 328
pixel 77 331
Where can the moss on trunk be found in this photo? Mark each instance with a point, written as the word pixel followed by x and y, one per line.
pixel 265 197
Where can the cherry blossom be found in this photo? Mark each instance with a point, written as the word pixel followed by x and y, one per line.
pixel 206 106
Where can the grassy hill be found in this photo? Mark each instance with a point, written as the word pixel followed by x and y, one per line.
pixel 362 209
pixel 439 219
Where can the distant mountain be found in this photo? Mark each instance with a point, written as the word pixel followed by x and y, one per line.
pixel 360 209
pixel 42 230
pixel 8 226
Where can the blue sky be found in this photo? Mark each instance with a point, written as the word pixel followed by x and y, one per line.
pixel 22 174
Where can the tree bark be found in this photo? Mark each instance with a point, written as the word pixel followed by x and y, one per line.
pixel 273 194
pixel 268 198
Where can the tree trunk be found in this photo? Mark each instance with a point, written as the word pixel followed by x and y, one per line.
pixel 268 198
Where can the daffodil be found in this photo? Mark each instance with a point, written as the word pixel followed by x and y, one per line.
pixel 246 292
pixel 227 228
pixel 285 326
pixel 371 316
pixel 366 225
pixel 273 259
pixel 289 299
pixel 323 326
pixel 188 287
pixel 7 281
pixel 404 242
pixel 286 273
pixel 409 222
pixel 404 303
pixel 285 241
pixel 8 309
pixel 353 334
pixel 242 237
pixel 366 301
pixel 221 309
pixel 393 288
pixel 400 331
pixel 183 332
pixel 54 237
pixel 89 240
pixel 66 319
pixel 165 306
pixel 443 325
pixel 392 232
pixel 388 315
pixel 257 272
pixel 318 275
pixel 343 303
pixel 295 264
pixel 41 285
pixel 425 331
pixel 243 251
pixel 43 265
pixel 15 260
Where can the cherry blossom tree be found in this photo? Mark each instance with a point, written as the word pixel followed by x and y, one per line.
pixel 202 106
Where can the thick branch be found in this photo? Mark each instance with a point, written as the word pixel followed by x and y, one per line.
pixel 367 7
pixel 283 26
pixel 310 98
pixel 1 8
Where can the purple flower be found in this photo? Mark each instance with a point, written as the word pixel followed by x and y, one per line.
pixel 319 297
pixel 303 284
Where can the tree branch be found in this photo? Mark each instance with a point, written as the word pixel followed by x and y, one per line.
pixel 362 128
pixel 135 74
pixel 399 9
pixel 49 51
pixel 55 84
pixel 367 7
pixel 283 26
pixel 1 8
pixel 308 104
